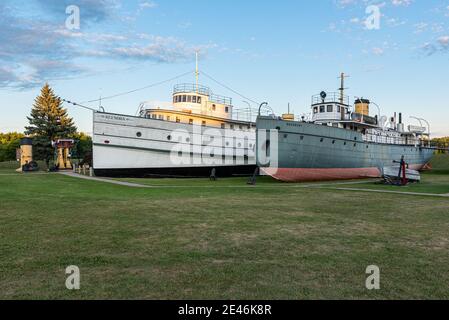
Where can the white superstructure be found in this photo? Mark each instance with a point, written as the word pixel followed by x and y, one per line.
pixel 191 136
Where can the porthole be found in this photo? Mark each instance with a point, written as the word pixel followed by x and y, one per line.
pixel 169 138
pixel 302 138
pixel 321 140
pixel 187 139
pixel 139 134
pixel 333 141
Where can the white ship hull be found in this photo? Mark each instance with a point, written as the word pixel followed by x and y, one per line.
pixel 136 146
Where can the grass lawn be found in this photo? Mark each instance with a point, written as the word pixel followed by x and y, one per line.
pixel 223 240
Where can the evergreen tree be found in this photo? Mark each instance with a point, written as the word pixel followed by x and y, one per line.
pixel 49 121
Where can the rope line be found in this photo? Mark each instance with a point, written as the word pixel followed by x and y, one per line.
pixel 227 87
pixel 139 89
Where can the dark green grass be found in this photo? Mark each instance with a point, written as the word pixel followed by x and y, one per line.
pixel 263 242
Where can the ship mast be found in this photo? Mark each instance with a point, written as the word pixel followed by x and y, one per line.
pixel 342 87
pixel 197 73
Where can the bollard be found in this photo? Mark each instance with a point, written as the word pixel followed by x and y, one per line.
pixel 91 172
pixel 84 170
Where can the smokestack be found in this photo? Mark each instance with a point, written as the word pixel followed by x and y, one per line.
pixel 400 118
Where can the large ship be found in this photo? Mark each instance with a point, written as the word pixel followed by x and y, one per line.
pixel 337 142
pixel 197 134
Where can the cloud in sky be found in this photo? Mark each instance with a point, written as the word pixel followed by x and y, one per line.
pixel 91 10
pixel 34 51
pixel 440 45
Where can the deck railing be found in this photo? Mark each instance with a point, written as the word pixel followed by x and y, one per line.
pixel 331 97
pixel 193 88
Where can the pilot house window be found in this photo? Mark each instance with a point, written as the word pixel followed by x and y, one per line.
pixel 322 109
pixel 330 108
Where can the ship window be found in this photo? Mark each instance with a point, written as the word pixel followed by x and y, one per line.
pixel 169 138
pixel 153 116
pixel 187 140
pixel 174 99
pixel 333 141
pixel 189 98
pixel 346 143
pixel 239 145
pixel 190 121
pixel 161 117
pixel 203 123
pixel 315 109
pixel 184 98
pixel 214 107
pixel 321 140
pixel 232 127
pixel 178 120
pixel 302 137
pixel 338 109
pixel 180 154
pixel 198 99
pixel 168 118
pixel 322 109
pixel 222 125
pixel 240 127
pixel 194 99
pixel 212 155
pixel 226 109
pixel 330 108
pixel 139 134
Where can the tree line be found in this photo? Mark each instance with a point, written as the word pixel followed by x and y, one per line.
pixel 48 122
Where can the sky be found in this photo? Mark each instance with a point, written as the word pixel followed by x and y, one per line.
pixel 396 53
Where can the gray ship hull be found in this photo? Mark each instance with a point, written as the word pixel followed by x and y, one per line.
pixel 312 152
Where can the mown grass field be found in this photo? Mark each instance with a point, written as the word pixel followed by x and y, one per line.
pixel 195 239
